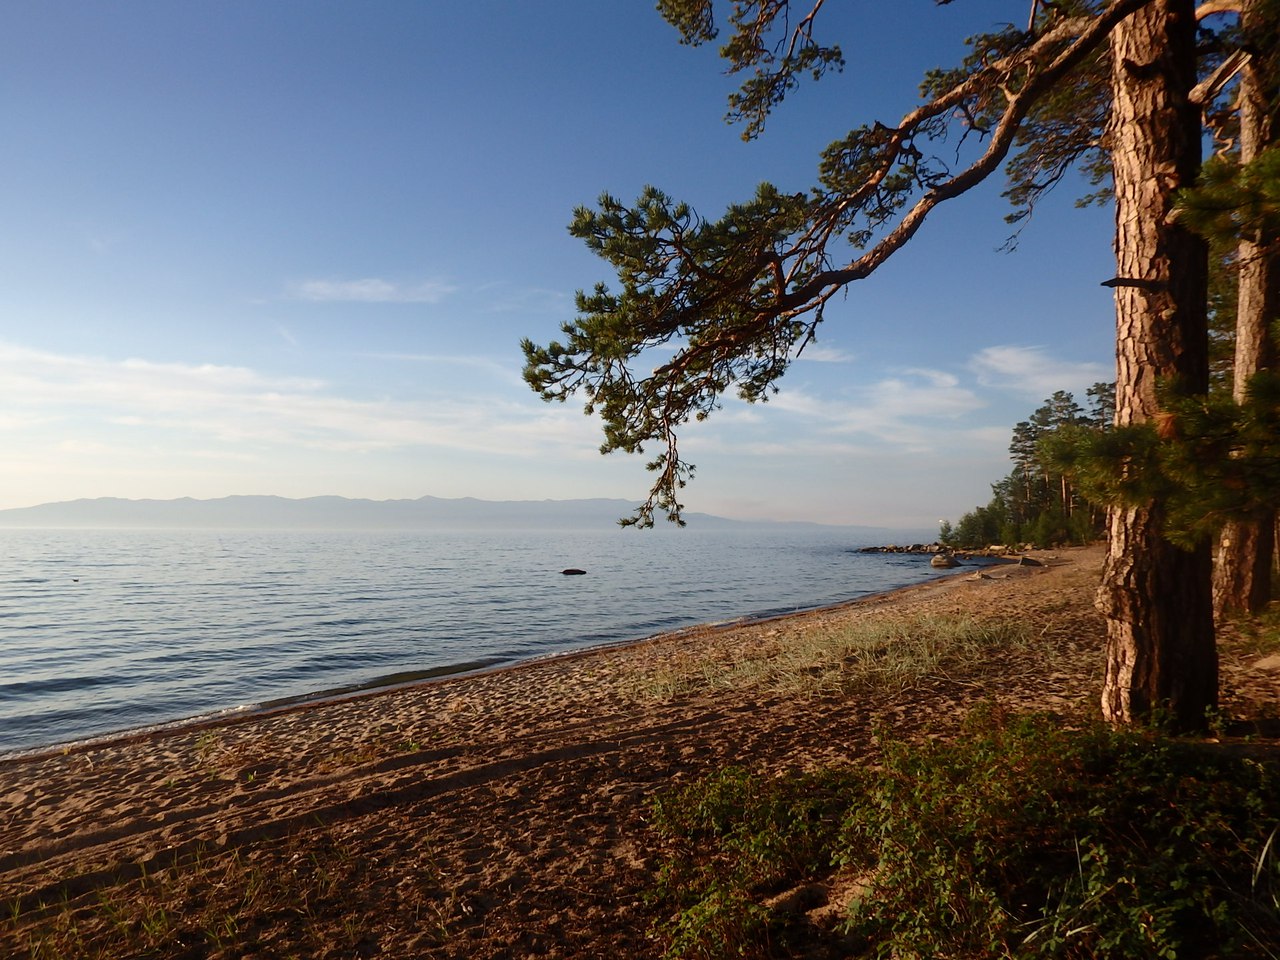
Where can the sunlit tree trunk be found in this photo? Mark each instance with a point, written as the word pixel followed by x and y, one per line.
pixel 1242 574
pixel 1157 598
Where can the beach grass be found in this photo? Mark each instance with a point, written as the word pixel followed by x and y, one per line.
pixel 886 654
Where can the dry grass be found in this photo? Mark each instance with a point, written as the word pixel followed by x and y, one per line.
pixel 885 654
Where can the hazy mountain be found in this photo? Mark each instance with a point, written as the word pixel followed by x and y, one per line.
pixel 341 513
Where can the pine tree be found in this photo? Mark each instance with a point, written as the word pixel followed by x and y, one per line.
pixel 1037 502
pixel 735 299
pixel 1227 209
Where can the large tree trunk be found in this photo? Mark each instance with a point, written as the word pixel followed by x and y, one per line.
pixel 1242 575
pixel 1161 657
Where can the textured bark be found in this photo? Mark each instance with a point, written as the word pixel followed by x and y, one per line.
pixel 1157 598
pixel 1242 575
pixel 1242 572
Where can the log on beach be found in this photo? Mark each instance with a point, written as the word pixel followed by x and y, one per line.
pixel 492 815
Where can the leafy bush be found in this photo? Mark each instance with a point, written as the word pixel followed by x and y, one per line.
pixel 1021 840
pixel 734 837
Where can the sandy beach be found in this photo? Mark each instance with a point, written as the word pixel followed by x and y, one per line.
pixel 501 814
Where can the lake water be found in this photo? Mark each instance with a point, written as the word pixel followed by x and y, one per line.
pixel 106 630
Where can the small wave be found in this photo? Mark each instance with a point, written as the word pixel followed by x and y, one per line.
pixel 32 688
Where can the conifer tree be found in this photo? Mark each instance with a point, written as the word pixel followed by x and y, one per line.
pixel 1037 502
pixel 735 299
pixel 1221 209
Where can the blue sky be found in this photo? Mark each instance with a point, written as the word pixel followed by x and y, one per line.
pixel 287 247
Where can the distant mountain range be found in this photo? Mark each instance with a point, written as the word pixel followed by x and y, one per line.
pixel 342 513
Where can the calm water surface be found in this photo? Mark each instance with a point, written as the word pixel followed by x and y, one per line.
pixel 105 630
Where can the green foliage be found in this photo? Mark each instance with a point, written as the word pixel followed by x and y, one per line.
pixel 720 324
pixel 767 830
pixel 1232 203
pixel 763 42
pixel 1232 200
pixel 723 923
pixel 982 527
pixel 729 303
pixel 1037 502
pixel 1021 839
pixel 1028 840
pixel 1062 132
pixel 1208 460
pixel 734 836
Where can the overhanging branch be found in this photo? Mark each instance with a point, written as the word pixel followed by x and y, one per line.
pixel 1089 33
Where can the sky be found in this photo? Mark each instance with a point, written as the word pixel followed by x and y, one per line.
pixel 290 247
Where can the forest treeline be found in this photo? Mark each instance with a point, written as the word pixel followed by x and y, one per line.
pixel 1038 503
pixel 1213 458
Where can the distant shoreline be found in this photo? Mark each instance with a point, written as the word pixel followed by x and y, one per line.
pixel 344 514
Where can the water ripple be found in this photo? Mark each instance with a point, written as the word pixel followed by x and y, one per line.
pixel 172 624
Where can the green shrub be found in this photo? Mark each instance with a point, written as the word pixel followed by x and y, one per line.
pixel 1027 840
pixel 724 922
pixel 1022 839
pixel 734 838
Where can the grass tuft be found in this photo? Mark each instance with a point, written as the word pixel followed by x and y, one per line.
pixel 840 658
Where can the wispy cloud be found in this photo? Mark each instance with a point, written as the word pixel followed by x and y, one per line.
pixel 101 243
pixel 913 410
pixel 372 290
pixel 502 298
pixel 884 409
pixel 1033 371
pixel 195 405
pixel 819 354
pixel 506 371
pixel 917 410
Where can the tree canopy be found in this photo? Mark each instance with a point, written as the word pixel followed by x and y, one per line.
pixel 1037 502
pixel 1118 88
pixel 728 303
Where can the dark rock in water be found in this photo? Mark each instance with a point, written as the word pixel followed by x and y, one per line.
pixel 573 572
pixel 943 561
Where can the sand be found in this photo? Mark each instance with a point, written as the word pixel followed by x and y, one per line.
pixel 494 815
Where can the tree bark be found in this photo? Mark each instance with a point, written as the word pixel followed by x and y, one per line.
pixel 1161 658
pixel 1242 574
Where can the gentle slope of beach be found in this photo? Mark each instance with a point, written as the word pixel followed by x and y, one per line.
pixel 503 814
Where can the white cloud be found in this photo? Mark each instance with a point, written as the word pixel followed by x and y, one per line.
pixel 185 407
pixel 893 409
pixel 938 379
pixel 915 411
pixel 819 354
pixel 801 403
pixel 372 290
pixel 1032 371
pixel 502 370
pixel 81 425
